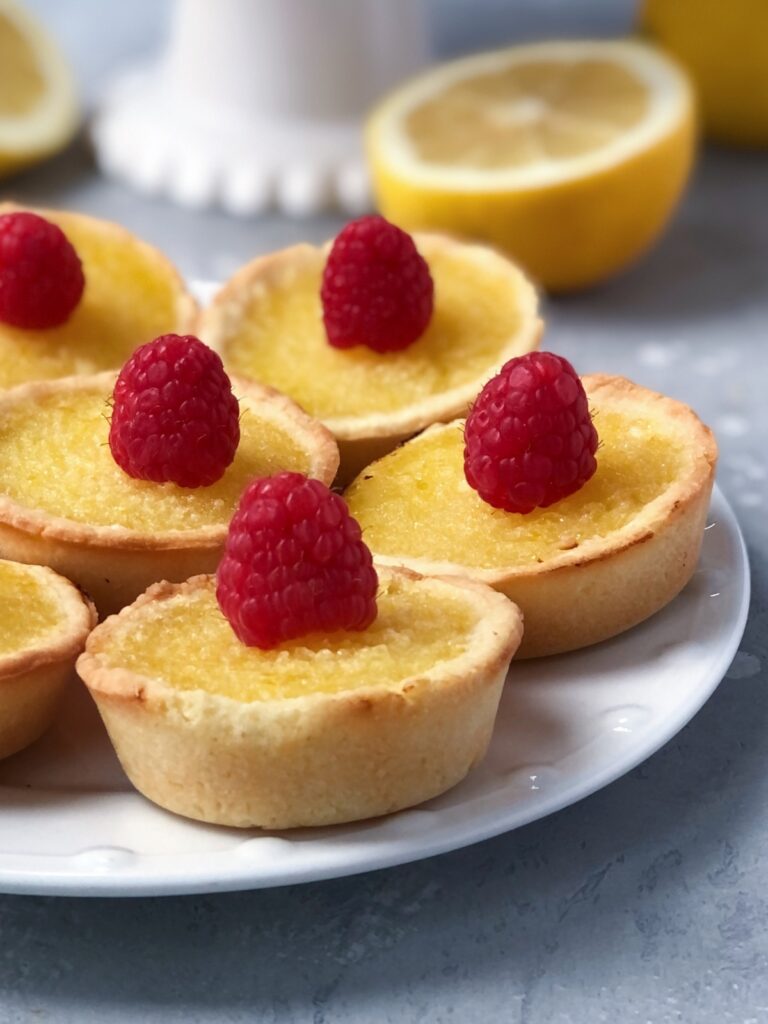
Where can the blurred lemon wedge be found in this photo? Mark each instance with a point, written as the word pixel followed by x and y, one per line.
pixel 724 47
pixel 570 155
pixel 38 105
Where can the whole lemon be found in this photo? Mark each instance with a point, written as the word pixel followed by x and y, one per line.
pixel 724 46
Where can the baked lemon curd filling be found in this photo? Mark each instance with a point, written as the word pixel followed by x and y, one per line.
pixel 187 643
pixel 129 299
pixel 416 503
pixel 29 612
pixel 55 457
pixel 281 340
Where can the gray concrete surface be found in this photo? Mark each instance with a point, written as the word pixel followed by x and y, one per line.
pixel 647 902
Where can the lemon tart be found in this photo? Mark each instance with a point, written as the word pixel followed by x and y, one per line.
pixel 39 104
pixel 583 569
pixel 316 731
pixel 44 623
pixel 64 502
pixel 266 324
pixel 132 294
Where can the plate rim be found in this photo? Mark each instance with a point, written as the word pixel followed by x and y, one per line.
pixel 245 876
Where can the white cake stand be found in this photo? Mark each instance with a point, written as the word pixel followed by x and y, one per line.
pixel 258 103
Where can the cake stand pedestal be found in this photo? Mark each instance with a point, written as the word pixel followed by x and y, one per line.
pixel 258 103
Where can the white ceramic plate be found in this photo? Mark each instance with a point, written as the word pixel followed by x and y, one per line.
pixel 71 824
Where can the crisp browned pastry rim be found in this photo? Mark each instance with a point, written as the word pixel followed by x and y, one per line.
pixel 671 504
pixel 78 617
pixel 495 637
pixel 309 434
pixel 219 321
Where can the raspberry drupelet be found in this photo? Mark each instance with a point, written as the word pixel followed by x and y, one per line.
pixel 377 289
pixel 294 563
pixel 41 277
pixel 174 417
pixel 529 440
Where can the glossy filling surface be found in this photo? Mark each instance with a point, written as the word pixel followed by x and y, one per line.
pixel 129 299
pixel 527 113
pixel 187 642
pixel 55 457
pixel 280 339
pixel 30 613
pixel 416 503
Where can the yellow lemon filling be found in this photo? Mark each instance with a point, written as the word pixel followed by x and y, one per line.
pixel 30 612
pixel 527 113
pixel 416 503
pixel 130 297
pixel 55 457
pixel 187 643
pixel 280 338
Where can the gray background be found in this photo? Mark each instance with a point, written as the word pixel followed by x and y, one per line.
pixel 647 902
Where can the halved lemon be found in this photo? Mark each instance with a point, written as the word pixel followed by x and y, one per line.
pixel 38 102
pixel 322 730
pixel 570 155
pixel 583 569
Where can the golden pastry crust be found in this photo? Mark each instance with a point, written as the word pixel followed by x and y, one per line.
pixel 317 759
pixel 607 584
pixel 114 564
pixel 363 438
pixel 32 680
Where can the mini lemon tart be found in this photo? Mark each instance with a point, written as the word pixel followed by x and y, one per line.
pixel 64 502
pixel 266 324
pixel 132 295
pixel 587 567
pixel 317 731
pixel 44 623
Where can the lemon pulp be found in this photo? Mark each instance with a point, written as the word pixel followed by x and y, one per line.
pixel 23 85
pixel 187 642
pixel 416 502
pixel 282 342
pixel 130 298
pixel 570 155
pixel 55 457
pixel 527 113
pixel 29 611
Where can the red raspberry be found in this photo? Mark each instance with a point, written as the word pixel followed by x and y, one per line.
pixel 41 277
pixel 174 416
pixel 529 440
pixel 377 289
pixel 294 563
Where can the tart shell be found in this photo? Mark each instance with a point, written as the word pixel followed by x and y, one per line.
pixel 608 584
pixel 114 564
pixel 318 759
pixel 33 680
